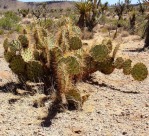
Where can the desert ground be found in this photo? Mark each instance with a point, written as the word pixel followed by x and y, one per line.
pixel 117 104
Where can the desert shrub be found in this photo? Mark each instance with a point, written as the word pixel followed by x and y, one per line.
pixel 23 12
pixel 13 16
pixel 123 23
pixel 9 21
pixel 140 28
pixel 103 19
pixel 6 24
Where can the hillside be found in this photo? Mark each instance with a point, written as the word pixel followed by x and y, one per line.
pixel 14 4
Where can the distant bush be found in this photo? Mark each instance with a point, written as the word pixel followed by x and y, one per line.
pixel 9 21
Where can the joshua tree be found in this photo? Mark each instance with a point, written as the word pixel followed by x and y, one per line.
pixel 141 7
pixel 128 5
pixel 132 21
pixel 84 8
pixel 38 55
pixel 23 12
pixel 119 9
pixel 103 7
pixel 89 13
pixel 40 11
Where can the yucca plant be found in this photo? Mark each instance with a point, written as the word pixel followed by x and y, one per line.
pixel 84 9
pixel 128 6
pixel 23 12
pixel 103 7
pixel 89 13
pixel 119 9
pixel 141 7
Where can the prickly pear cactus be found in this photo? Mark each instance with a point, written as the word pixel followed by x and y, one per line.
pixel 28 60
pixel 139 72
pixel 119 62
pixel 99 53
pixel 38 56
pixel 127 67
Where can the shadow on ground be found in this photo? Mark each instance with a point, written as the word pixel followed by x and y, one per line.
pixel 134 50
pixel 52 112
pixel 11 87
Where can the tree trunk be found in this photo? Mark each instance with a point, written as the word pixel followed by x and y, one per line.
pixel 146 45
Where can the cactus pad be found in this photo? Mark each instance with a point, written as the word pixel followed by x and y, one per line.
pixel 14 46
pixel 107 66
pixel 17 65
pixel 108 43
pixel 27 55
pixel 119 63
pixel 75 43
pixel 8 56
pixel 99 53
pixel 127 67
pixel 139 71
pixel 72 64
pixel 35 71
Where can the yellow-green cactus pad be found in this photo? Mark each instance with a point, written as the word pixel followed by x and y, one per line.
pixel 35 71
pixel 139 72
pixel 127 67
pixel 24 41
pixel 17 65
pixel 27 55
pixel 14 46
pixel 75 43
pixel 99 53
pixel 119 63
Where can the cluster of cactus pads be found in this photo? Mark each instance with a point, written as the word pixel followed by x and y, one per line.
pixel 38 56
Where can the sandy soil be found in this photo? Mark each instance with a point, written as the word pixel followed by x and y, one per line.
pixel 117 105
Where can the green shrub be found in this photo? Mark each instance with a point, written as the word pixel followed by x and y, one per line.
pixel 12 16
pixel 9 21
